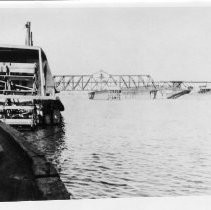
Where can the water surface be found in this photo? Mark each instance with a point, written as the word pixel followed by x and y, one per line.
pixel 131 147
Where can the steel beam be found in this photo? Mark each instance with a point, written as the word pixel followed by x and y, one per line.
pixel 104 81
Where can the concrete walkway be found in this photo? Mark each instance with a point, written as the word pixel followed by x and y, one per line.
pixel 16 176
pixel 24 172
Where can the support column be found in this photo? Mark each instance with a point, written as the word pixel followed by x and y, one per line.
pixel 41 74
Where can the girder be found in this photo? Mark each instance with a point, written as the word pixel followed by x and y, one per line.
pixel 100 81
pixel 104 81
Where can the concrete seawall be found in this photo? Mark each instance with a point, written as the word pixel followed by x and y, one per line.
pixel 25 174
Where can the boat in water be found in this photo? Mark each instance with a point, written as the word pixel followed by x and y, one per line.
pixel 204 90
pixel 111 94
pixel 150 92
pixel 27 89
pixel 199 92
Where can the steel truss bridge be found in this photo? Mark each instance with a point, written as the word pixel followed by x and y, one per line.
pixel 104 81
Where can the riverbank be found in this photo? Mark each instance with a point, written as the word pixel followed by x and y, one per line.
pixel 25 174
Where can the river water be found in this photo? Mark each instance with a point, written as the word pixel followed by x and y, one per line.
pixel 133 147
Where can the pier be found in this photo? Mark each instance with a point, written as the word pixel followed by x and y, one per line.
pixel 25 174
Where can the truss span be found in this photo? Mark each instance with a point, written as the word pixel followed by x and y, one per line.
pixel 104 81
pixel 101 81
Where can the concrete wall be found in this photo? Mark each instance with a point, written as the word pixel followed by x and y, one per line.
pixel 42 175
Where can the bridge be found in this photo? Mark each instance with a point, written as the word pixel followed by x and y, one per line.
pixel 104 81
pixel 100 81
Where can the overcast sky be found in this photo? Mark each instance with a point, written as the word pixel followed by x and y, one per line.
pixel 168 43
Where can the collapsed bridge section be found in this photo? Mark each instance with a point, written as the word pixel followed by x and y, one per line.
pixel 104 81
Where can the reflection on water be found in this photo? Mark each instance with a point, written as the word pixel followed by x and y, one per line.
pixel 51 141
pixel 131 147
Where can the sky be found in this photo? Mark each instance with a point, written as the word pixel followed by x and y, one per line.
pixel 169 43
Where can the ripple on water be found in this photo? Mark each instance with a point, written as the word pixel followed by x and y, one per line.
pixel 131 148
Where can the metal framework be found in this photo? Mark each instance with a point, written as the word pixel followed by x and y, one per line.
pixel 18 78
pixel 100 81
pixel 104 81
pixel 181 84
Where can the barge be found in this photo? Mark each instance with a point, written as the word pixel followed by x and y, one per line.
pixel 27 89
pixel 112 94
pixel 204 90
pixel 140 93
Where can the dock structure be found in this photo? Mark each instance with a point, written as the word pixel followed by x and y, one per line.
pixel 25 173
